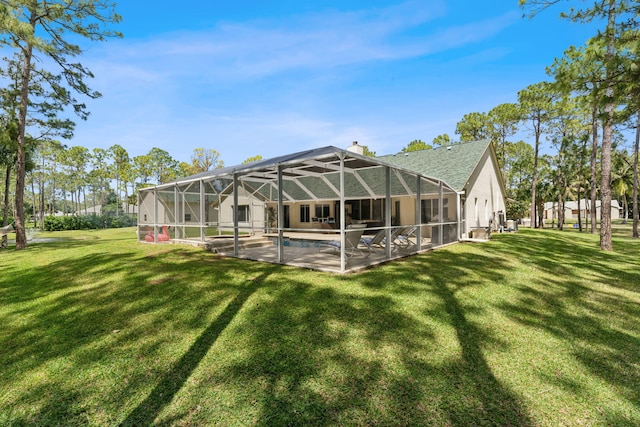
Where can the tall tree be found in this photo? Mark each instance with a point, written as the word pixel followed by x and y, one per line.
pixel 546 188
pixel 567 130
pixel 252 159
pixel 581 71
pixel 632 67
pixel 100 173
pixel 51 153
pixel 636 183
pixel 7 159
pixel 143 169
pixel 536 101
pixel 519 172
pixel 75 162
pixel 416 145
pixel 441 140
pixel 43 121
pixel 502 124
pixel 48 27
pixel 622 179
pixel 620 18
pixel 473 127
pixel 205 159
pixel 164 167
pixel 120 159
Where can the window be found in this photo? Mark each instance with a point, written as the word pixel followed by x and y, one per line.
pixel 425 211
pixel 475 205
pixel 305 213
pixel 377 208
pixel 365 209
pixel 486 211
pixel 430 210
pixel 187 217
pixel 322 211
pixel 243 213
pixel 353 208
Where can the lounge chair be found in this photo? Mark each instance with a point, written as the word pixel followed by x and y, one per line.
pixel 405 236
pixel 379 240
pixel 395 232
pixel 375 241
pixel 351 240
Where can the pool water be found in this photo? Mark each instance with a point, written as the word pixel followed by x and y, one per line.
pixel 298 243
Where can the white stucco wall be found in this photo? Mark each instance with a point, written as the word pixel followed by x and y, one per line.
pixel 484 194
pixel 256 220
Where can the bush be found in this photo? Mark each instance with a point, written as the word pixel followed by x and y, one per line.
pixel 87 222
pixel 10 220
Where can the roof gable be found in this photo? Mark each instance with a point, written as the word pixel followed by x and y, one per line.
pixel 452 164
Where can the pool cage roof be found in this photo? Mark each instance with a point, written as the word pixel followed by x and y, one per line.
pixel 322 174
pixel 313 175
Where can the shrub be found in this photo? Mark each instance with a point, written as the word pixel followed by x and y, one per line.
pixel 87 222
pixel 10 220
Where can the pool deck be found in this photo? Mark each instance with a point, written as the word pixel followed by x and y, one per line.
pixel 310 253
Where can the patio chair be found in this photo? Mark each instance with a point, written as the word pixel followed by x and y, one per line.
pixel 403 239
pixel 380 239
pixel 395 232
pixel 351 240
pixel 375 241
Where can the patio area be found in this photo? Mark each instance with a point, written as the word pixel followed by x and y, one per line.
pixel 314 251
pixel 325 209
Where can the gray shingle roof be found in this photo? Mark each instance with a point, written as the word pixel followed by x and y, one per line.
pixel 308 175
pixel 452 164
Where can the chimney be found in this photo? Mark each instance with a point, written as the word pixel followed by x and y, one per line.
pixel 355 148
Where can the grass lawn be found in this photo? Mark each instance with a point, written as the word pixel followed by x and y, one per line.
pixel 533 328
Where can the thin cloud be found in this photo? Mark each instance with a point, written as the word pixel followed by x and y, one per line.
pixel 272 86
pixel 258 49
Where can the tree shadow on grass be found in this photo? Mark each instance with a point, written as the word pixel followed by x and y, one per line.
pixel 598 329
pixel 564 254
pixel 588 299
pixel 174 379
pixel 97 313
pixel 481 397
pixel 350 351
pixel 474 395
pixel 315 350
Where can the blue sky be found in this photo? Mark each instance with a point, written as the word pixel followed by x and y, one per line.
pixel 269 78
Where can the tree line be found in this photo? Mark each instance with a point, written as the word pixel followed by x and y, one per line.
pixel 74 179
pixel 581 113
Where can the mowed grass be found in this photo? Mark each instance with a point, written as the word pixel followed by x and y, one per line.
pixel 532 328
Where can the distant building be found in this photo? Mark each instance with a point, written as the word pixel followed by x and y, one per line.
pixel 571 212
pixel 126 209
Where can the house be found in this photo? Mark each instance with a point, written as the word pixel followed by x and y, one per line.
pixel 125 209
pixel 572 211
pixel 471 169
pixel 439 195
